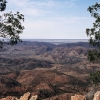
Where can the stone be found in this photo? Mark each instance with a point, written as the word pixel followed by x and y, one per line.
pixel 90 94
pixel 25 96
pixel 34 97
pixel 78 97
pixel 97 95
pixel 9 98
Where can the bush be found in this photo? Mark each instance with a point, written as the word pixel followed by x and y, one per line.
pixel 95 77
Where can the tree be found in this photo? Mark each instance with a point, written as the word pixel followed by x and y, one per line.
pixel 10 26
pixel 94 34
pixel 3 5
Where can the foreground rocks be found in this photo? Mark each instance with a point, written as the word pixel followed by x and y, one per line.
pixel 97 95
pixel 26 96
pixel 9 98
pixel 78 97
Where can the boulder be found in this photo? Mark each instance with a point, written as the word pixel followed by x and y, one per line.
pixel 34 97
pixel 97 95
pixel 91 92
pixel 78 97
pixel 25 96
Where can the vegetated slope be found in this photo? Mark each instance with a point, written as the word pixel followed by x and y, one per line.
pixel 45 69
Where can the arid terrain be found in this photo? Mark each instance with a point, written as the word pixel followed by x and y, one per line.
pixel 45 69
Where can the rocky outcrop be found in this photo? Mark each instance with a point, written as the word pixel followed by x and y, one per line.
pixel 34 97
pixel 78 97
pixel 97 95
pixel 26 96
pixel 9 98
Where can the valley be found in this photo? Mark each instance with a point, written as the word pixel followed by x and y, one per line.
pixel 45 69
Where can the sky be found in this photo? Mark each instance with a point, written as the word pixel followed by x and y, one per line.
pixel 53 19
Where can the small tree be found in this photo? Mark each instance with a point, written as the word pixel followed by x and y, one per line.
pixel 10 26
pixel 94 34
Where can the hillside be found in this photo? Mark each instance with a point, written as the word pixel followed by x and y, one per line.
pixel 45 69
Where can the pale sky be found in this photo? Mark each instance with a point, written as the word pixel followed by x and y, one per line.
pixel 53 19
